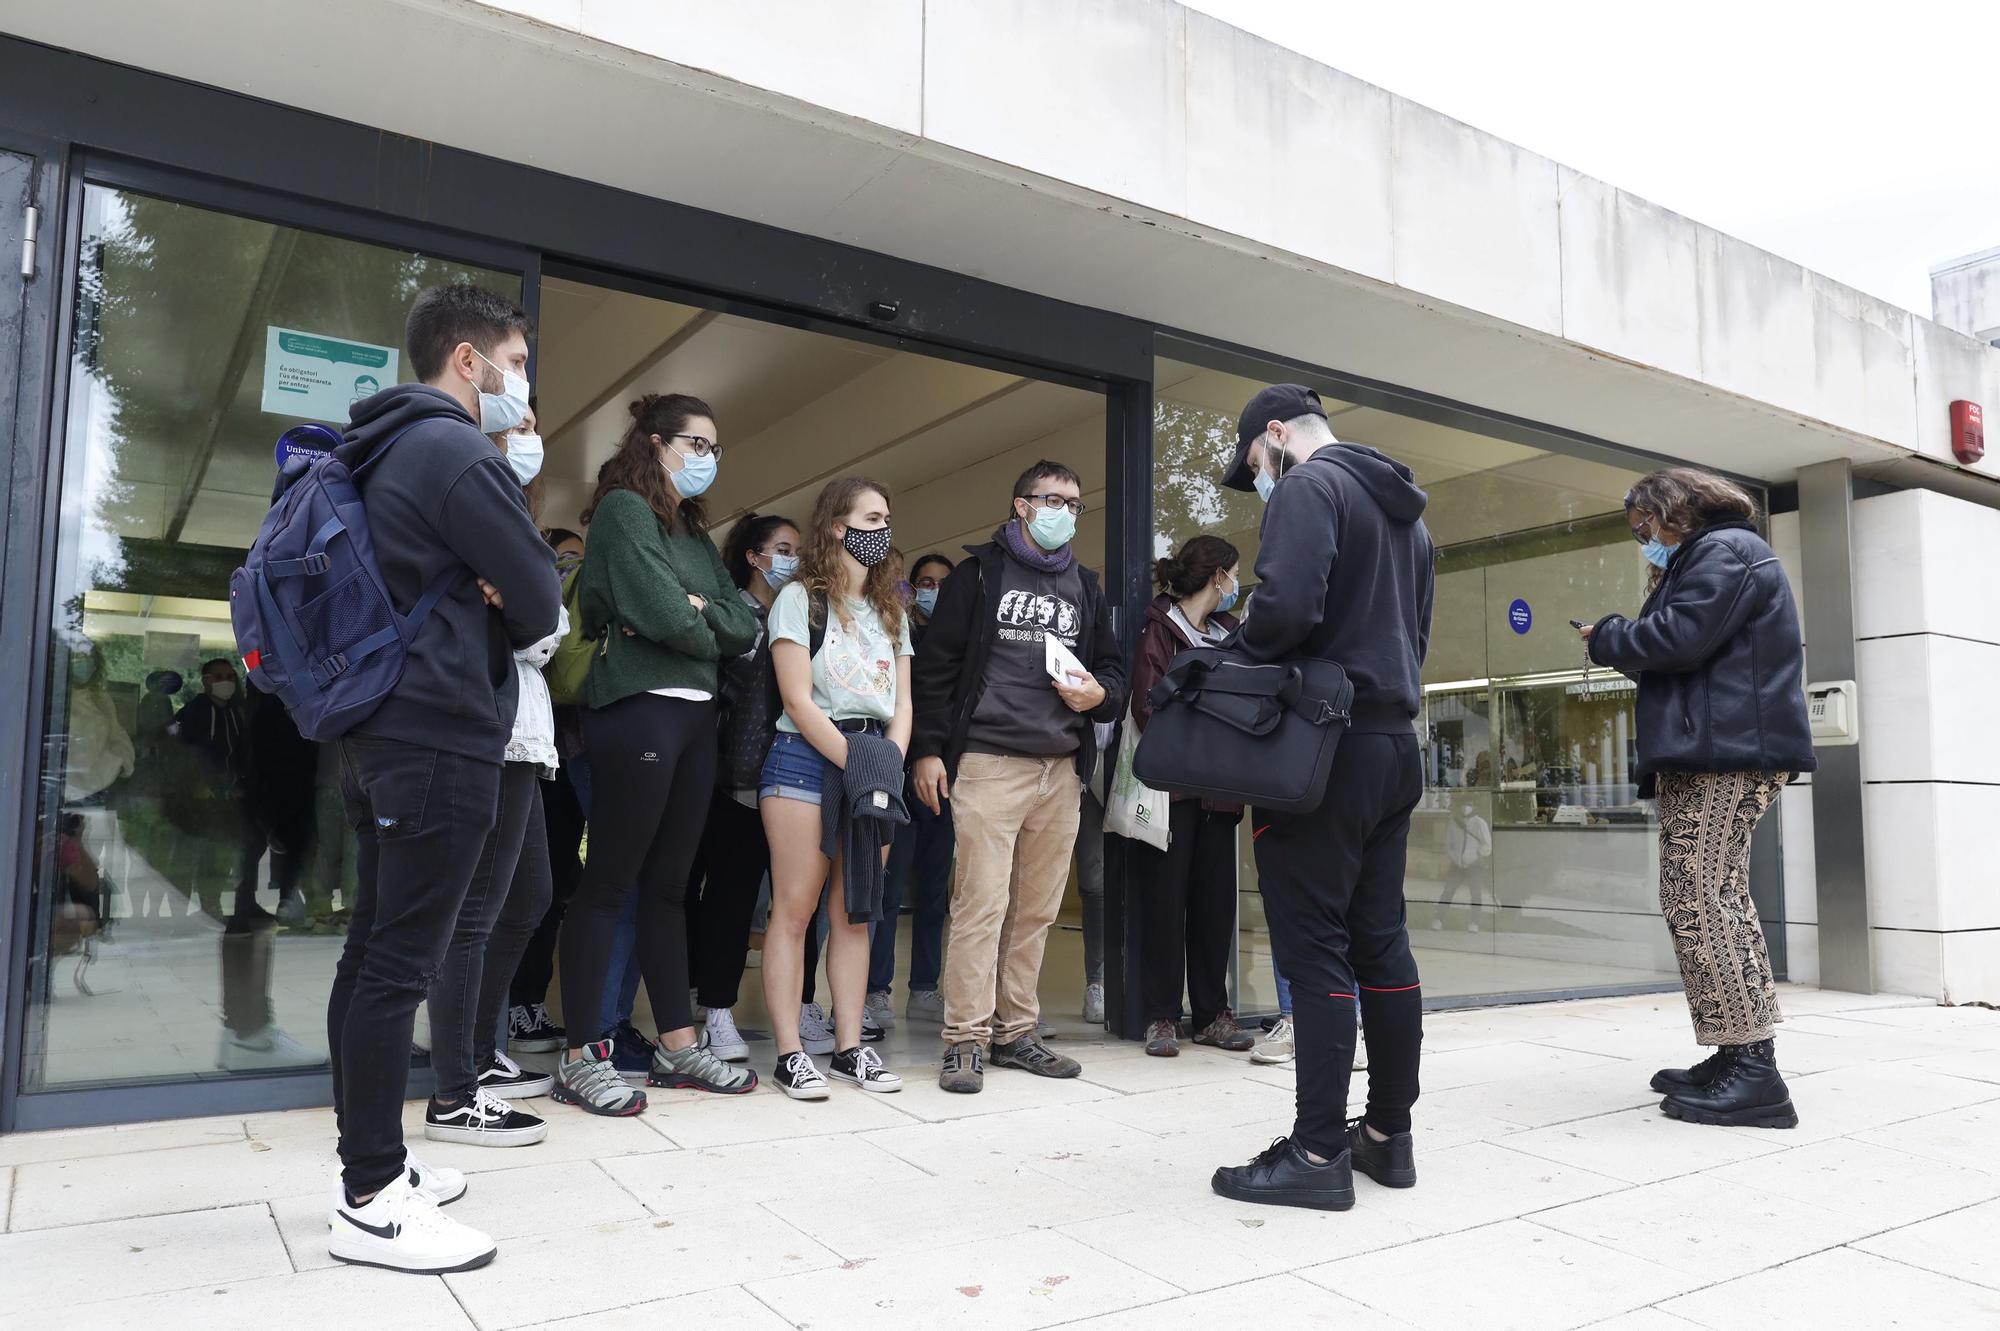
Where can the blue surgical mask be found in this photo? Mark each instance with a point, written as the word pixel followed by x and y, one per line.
pixel 926 599
pixel 1228 601
pixel 783 569
pixel 502 411
pixel 695 476
pixel 1052 528
pixel 524 455
pixel 1656 553
pixel 1265 483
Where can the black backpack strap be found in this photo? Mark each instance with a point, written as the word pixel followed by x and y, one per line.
pixel 816 612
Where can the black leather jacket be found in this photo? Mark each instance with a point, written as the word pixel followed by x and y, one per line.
pixel 1716 651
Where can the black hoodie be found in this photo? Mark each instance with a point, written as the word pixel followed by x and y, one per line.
pixel 1345 573
pixel 444 499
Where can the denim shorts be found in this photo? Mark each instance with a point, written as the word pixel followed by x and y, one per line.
pixel 794 770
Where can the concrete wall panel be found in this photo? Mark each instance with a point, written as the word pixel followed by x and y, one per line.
pixel 1629 276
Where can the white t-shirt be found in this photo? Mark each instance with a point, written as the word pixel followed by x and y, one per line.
pixel 854 675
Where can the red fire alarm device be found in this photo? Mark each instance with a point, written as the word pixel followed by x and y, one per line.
pixel 1968 432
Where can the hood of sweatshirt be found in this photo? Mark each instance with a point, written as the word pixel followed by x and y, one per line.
pixel 1389 482
pixel 373 421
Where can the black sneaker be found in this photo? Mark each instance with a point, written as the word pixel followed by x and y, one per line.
pixel 486 1120
pixel 863 1066
pixel 1746 1093
pixel 1282 1176
pixel 631 1053
pixel 1391 1163
pixel 510 1081
pixel 799 1077
pixel 1030 1055
pixel 1667 1081
pixel 530 1030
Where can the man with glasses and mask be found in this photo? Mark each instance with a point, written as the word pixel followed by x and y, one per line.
pixel 1008 746
pixel 1345 574
pixel 421 776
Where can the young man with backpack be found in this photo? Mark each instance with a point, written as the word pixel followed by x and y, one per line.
pixel 421 774
pixel 1008 745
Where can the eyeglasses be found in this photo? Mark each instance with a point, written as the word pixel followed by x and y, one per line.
pixel 1640 532
pixel 702 448
pixel 1075 506
pixel 926 584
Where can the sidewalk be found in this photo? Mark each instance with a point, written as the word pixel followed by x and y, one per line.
pixel 1553 1195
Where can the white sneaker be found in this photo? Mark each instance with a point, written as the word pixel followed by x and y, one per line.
pixel 1360 1049
pixel 694 1004
pixel 925 1005
pixel 1093 1004
pixel 724 1040
pixel 1277 1046
pixel 444 1184
pixel 402 1229
pixel 260 1050
pixel 880 1011
pixel 815 1031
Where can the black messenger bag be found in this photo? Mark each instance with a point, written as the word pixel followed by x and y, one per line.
pixel 1229 729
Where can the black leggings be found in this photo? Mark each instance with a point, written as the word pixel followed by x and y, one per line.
pixel 652 768
pixel 562 817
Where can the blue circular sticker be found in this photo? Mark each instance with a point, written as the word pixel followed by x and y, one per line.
pixel 310 442
pixel 1519 617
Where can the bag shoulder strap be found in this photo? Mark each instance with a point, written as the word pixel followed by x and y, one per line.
pixel 816 613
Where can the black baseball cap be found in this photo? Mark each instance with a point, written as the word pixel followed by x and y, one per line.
pixel 1279 402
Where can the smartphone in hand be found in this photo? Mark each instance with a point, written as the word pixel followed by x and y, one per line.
pixel 1578 624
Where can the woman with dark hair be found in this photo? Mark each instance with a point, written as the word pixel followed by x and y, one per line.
pixel 762 556
pixel 1721 728
pixel 654 595
pixel 1189 919
pixel 857 683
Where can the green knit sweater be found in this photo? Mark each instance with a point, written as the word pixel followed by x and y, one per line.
pixel 637 575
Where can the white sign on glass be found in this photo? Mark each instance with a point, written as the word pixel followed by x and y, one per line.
pixel 315 377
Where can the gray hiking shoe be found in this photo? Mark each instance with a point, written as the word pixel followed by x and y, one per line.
pixel 696 1068
pixel 1224 1033
pixel 1029 1054
pixel 963 1070
pixel 1161 1040
pixel 590 1081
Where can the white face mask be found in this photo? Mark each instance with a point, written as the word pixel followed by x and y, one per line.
pixel 222 690
pixel 502 411
pixel 524 455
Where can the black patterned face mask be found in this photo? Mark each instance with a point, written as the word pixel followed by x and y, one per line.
pixel 869 548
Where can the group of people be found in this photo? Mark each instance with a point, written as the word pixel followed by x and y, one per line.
pixel 780 709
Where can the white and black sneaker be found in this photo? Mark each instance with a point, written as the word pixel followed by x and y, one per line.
pixel 510 1081
pixel 486 1120
pixel 863 1066
pixel 402 1229
pixel 532 1031
pixel 799 1077
pixel 444 1184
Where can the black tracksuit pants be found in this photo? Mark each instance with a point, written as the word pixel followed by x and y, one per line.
pixel 1332 882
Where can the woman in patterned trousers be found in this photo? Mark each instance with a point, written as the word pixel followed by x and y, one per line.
pixel 1721 727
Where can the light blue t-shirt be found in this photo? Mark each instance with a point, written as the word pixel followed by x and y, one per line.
pixel 854 675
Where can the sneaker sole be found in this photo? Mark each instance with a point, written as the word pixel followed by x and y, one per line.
pixel 1768 1116
pixel 676 1082
pixel 1225 1048
pixel 522 1090
pixel 636 1105
pixel 961 1090
pixel 488 1137
pixel 1386 1178
pixel 1308 1200
pixel 1173 1052
pixel 1273 1060
pixel 470 1264
pixel 538 1045
pixel 876 1088
pixel 805 1092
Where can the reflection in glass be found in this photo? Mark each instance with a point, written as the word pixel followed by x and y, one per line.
pixel 192 863
pixel 1531 865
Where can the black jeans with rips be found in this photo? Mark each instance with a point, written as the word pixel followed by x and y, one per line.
pixel 1332 881
pixel 420 818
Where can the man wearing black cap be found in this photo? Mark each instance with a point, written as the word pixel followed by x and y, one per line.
pixel 1344 574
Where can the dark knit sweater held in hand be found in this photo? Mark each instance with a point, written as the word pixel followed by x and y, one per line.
pixel 637 575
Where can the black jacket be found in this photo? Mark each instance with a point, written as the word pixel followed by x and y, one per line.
pixel 1717 654
pixel 949 672
pixel 1346 573
pixel 443 499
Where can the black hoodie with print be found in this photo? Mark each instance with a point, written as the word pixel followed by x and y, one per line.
pixel 1346 572
pixel 444 500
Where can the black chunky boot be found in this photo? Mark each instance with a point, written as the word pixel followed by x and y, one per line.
pixel 1747 1092
pixel 1668 1081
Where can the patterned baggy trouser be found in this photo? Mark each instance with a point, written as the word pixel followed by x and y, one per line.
pixel 1706 820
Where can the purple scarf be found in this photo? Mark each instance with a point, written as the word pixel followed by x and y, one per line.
pixel 1022 548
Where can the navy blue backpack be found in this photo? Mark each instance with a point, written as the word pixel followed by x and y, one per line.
pixel 314 622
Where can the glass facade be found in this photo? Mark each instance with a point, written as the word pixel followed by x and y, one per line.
pixel 1531 863
pixel 192 868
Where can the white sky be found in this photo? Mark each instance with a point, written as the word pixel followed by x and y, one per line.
pixel 1857 138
